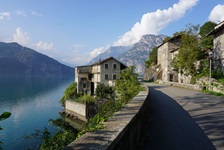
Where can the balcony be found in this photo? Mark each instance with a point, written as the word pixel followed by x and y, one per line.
pixel 84 70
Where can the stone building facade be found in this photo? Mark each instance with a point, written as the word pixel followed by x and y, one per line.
pixel 103 72
pixel 166 53
pixel 218 41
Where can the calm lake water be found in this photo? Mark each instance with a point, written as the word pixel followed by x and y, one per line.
pixel 32 102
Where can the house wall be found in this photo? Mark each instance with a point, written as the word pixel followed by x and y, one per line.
pixel 83 72
pixel 163 59
pixel 110 71
pixel 96 69
pixel 166 54
pixel 219 49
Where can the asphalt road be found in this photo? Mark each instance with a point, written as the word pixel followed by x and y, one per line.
pixel 183 119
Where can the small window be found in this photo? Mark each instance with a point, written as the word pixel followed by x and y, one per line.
pixel 114 76
pixel 106 77
pixel 106 66
pixel 114 66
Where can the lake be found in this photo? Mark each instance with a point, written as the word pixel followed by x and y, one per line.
pixel 32 102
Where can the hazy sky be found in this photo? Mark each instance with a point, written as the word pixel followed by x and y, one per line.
pixel 75 31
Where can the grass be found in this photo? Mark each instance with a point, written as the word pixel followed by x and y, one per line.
pixel 221 80
pixel 213 93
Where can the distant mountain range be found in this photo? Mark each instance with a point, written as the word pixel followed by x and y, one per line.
pixel 114 51
pixel 16 60
pixel 134 55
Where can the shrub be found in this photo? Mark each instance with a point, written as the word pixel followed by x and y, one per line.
pixel 128 85
pixel 105 91
pixel 86 99
pixel 69 93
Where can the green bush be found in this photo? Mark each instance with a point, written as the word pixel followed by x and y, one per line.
pixel 106 110
pixel 217 74
pixel 65 135
pixel 105 91
pixel 69 93
pixel 86 99
pixel 128 86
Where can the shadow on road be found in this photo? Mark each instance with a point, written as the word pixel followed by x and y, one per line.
pixel 171 127
pixel 208 112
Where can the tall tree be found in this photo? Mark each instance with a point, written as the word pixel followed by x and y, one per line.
pixel 206 42
pixel 152 60
pixel 189 51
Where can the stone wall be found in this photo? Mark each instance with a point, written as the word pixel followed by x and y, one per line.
pixel 122 131
pixel 76 109
pixel 186 86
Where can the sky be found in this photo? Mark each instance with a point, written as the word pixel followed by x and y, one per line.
pixel 75 31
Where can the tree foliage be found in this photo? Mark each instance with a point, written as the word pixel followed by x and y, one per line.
pixel 128 85
pixel 105 91
pixel 152 60
pixel 69 93
pixel 65 135
pixel 189 52
pixel 206 42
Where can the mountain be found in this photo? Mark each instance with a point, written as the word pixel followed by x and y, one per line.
pixel 16 60
pixel 134 55
pixel 140 52
pixel 113 51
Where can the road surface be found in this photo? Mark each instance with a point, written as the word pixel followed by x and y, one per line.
pixel 183 119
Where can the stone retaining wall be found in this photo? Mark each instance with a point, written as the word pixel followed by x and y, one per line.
pixel 186 86
pixel 76 109
pixel 122 131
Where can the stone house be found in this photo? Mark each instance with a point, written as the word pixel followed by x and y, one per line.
pixel 102 72
pixel 218 41
pixel 166 53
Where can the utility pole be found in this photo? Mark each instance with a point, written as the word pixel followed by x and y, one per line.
pixel 210 54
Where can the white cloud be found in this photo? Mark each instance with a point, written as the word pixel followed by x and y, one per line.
pixel 20 37
pixel 77 60
pixel 34 13
pixel 154 22
pixel 97 51
pixel 44 45
pixel 21 13
pixel 217 14
pixel 4 15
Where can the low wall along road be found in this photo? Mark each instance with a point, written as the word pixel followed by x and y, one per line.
pixel 123 130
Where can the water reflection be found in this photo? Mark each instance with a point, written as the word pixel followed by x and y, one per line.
pixel 32 102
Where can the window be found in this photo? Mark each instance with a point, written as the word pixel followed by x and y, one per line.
pixel 84 85
pixel 106 77
pixel 114 76
pixel 106 66
pixel 114 66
